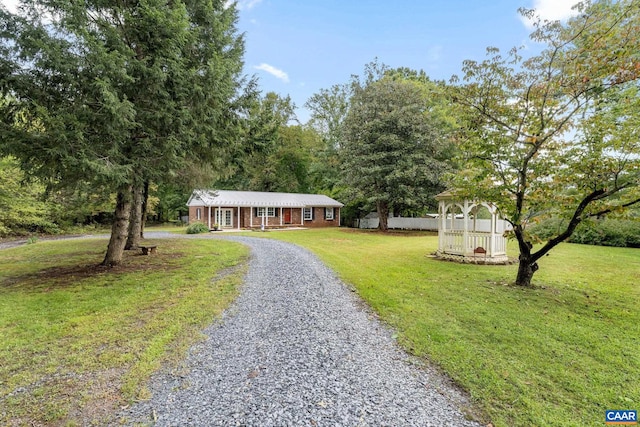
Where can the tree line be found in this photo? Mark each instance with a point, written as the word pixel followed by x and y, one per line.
pixel 131 105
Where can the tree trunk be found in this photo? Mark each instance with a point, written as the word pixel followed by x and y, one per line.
pixel 145 200
pixel 119 229
pixel 383 215
pixel 527 264
pixel 526 268
pixel 135 221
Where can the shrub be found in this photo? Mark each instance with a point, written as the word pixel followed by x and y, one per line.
pixel 606 232
pixel 197 228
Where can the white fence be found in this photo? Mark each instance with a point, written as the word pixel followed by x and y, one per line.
pixel 401 223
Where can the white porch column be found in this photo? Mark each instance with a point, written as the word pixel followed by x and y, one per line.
pixel 209 219
pixel 219 217
pixel 238 217
pixel 250 216
pixel 280 216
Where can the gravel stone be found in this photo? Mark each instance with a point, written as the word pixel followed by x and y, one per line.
pixel 298 348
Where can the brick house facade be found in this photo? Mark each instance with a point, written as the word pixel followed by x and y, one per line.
pixel 250 209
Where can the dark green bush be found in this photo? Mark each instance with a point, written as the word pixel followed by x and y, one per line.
pixel 606 232
pixel 197 228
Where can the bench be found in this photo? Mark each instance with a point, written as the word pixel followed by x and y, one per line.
pixel 148 249
pixel 480 251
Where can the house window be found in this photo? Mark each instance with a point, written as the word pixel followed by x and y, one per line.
pixel 328 214
pixel 198 214
pixel 308 214
pixel 270 212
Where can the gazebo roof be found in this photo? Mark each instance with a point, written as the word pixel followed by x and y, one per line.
pixel 446 195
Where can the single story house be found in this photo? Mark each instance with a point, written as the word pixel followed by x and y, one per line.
pixel 253 209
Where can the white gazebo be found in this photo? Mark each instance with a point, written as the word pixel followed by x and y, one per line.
pixel 470 231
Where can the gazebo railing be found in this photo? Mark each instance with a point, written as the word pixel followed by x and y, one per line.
pixel 454 243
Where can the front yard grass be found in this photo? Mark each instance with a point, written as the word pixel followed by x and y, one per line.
pixel 559 354
pixel 79 341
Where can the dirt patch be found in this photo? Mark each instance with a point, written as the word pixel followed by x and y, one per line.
pixel 86 399
pixel 228 271
pixel 102 398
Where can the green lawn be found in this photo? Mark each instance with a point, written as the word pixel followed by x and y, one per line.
pixel 79 341
pixel 556 355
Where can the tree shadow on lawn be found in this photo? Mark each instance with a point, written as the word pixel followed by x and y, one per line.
pixel 52 278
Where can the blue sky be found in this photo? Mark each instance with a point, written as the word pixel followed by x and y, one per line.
pixel 297 47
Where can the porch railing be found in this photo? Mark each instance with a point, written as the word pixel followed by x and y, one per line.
pixel 453 243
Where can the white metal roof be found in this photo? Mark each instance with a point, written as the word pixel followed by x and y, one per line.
pixel 259 199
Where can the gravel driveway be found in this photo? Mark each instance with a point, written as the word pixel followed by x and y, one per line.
pixel 297 349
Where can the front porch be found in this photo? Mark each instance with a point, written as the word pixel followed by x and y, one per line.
pixel 238 218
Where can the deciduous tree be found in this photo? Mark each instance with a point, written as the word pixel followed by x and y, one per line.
pixel 557 133
pixel 328 109
pixel 394 150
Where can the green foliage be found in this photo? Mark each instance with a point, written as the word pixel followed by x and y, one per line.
pixel 557 355
pixel 277 155
pixel 117 95
pixel 395 146
pixel 328 109
pixel 287 167
pixel 23 208
pixel 82 204
pixel 169 202
pixel 607 232
pixel 197 228
pixel 556 133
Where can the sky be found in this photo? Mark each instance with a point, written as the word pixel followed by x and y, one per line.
pixel 298 47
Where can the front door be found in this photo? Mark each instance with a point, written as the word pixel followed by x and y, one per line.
pixel 287 216
pixel 224 217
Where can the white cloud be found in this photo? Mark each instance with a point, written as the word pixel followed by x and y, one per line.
pixel 551 10
pixel 247 4
pixel 273 71
pixel 11 5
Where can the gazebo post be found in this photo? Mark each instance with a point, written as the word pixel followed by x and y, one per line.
pixel 442 223
pixel 492 239
pixel 465 229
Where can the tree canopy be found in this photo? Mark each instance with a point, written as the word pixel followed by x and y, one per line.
pixel 395 146
pixel 557 133
pixel 119 94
